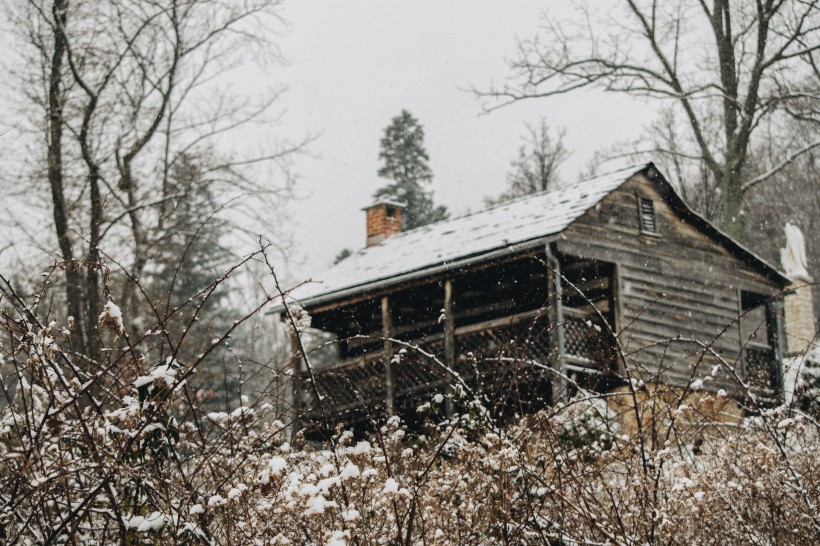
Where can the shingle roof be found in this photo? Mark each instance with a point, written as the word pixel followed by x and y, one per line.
pixel 450 241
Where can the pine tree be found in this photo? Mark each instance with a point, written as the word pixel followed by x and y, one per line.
pixel 188 252
pixel 188 255
pixel 404 161
pixel 343 254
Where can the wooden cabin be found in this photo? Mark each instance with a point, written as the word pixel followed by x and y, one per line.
pixel 584 286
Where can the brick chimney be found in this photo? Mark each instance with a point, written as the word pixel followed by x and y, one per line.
pixel 384 219
pixel 798 304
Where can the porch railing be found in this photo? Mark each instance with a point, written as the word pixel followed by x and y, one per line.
pixel 485 353
pixel 761 371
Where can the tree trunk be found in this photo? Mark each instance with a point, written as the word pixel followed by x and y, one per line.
pixel 73 273
pixel 93 265
pixel 730 185
pixel 130 301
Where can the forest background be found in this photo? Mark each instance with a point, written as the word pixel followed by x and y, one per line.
pixel 159 181
pixel 148 150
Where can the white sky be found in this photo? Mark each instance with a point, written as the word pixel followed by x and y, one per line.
pixel 355 64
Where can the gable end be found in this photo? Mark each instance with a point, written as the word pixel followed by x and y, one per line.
pixel 677 204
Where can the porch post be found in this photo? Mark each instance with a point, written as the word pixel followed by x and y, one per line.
pixel 449 336
pixel 295 378
pixel 778 312
pixel 387 334
pixel 559 382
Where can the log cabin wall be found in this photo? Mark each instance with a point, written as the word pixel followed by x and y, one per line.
pixel 638 261
pixel 675 282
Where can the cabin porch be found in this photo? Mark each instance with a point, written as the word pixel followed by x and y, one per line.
pixel 497 329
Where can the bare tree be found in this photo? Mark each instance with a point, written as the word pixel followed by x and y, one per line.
pixel 791 194
pixel 122 92
pixel 536 167
pixel 726 66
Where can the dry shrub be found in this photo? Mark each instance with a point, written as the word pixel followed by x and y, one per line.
pixel 81 463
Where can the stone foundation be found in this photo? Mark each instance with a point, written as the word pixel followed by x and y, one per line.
pixel 663 415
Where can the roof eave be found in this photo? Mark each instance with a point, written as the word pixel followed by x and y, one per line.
pixel 436 269
pixel 671 196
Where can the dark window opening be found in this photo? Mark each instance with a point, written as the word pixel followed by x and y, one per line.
pixel 756 326
pixel 417 312
pixel 500 291
pixel 391 212
pixel 589 315
pixel 358 327
pixel 646 214
pixel 758 340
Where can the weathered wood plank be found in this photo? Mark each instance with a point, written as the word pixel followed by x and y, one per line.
pixel 449 335
pixel 387 332
pixel 678 283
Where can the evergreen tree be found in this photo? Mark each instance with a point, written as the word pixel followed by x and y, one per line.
pixel 188 252
pixel 343 254
pixel 404 162
pixel 188 255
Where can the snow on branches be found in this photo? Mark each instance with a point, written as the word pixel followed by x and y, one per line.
pixel 85 460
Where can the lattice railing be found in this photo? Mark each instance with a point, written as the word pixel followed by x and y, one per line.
pixel 587 341
pixel 503 340
pixel 502 364
pixel 357 384
pixel 760 365
pixel 416 372
pixel 494 356
pixel 577 338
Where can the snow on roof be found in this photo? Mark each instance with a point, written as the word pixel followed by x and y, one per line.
pixel 384 202
pixel 505 225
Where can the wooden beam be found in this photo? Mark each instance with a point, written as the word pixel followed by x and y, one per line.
pixel 618 316
pixel 296 382
pixel 449 335
pixel 402 285
pixel 387 333
pixel 559 382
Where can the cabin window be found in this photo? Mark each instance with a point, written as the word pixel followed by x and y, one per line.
pixel 391 212
pixel 758 340
pixel 755 320
pixel 646 216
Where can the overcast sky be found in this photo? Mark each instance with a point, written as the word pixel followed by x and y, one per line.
pixel 354 65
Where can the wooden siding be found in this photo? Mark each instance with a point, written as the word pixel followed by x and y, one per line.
pixel 678 283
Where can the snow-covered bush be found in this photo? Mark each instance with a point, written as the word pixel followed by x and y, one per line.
pixel 125 455
pixel 806 380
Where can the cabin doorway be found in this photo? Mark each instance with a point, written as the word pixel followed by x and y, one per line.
pixel 588 305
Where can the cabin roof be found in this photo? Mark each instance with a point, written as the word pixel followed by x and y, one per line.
pixel 507 228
